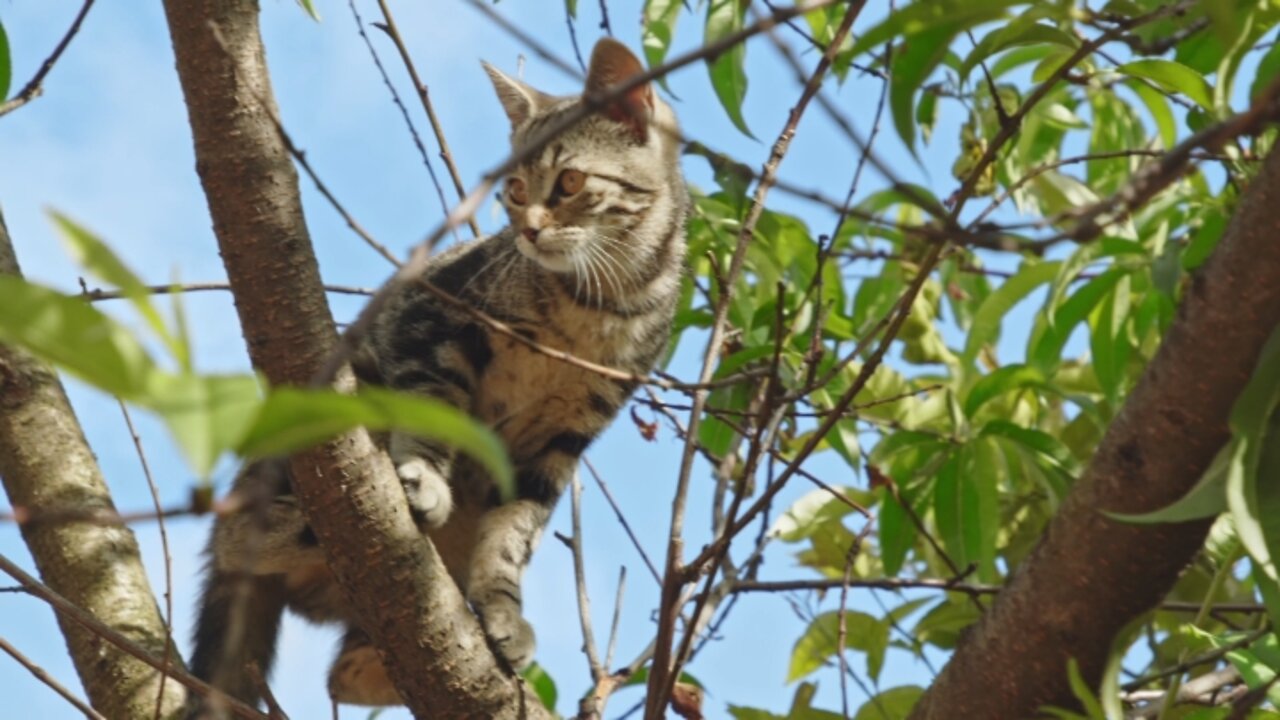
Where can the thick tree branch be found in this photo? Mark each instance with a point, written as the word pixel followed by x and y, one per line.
pixel 45 462
pixel 432 644
pixel 1172 425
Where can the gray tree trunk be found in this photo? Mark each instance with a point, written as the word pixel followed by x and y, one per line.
pixel 46 466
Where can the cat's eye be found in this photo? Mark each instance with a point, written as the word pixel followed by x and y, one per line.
pixel 517 191
pixel 571 181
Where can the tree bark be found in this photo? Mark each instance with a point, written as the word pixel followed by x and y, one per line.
pixel 432 644
pixel 46 465
pixel 1090 575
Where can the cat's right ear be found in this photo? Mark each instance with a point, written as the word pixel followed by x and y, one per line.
pixel 519 100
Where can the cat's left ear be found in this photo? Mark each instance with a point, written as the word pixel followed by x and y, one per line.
pixel 520 101
pixel 612 63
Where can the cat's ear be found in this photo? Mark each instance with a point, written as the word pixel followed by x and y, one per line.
pixel 612 63
pixel 519 100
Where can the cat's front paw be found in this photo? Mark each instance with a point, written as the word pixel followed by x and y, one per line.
pixel 511 634
pixel 430 499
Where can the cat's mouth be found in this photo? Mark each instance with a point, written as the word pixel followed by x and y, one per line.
pixel 554 256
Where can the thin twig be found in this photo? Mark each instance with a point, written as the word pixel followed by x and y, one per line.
pixel 164 549
pixel 573 36
pixel 665 668
pixel 617 615
pixel 43 676
pixel 96 294
pixel 436 128
pixel 395 100
pixel 580 582
pixel 35 86
pixel 622 520
pixel 604 19
pixel 73 612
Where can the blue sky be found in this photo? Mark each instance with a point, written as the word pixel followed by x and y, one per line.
pixel 109 145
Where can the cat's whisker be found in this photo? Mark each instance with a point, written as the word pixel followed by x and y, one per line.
pixel 607 264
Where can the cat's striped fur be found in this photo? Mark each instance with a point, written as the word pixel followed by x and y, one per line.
pixel 591 264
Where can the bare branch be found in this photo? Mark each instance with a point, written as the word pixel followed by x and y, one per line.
pixel 43 676
pixel 35 86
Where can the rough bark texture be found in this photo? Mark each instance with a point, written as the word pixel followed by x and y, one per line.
pixel 45 464
pixel 1090 576
pixel 433 645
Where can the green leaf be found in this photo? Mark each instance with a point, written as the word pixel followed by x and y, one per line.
pixel 1158 105
pixel 1045 351
pixel 897 535
pixel 292 419
pixel 1083 692
pixel 942 625
pixel 1172 77
pixel 1268 68
pixel 805 515
pixel 89 252
pixel 658 28
pixel 1024 30
pixel 820 642
pixel 986 321
pixel 1205 238
pixel 570 6
pixel 1253 478
pixel 955 511
pixel 1207 499
pixel 6 64
pixel 72 334
pixel 922 17
pixel 728 76
pixel 927 114
pixel 310 7
pixel 207 415
pixel 542 684
pixel 999 382
pixel 892 704
pixel 911 67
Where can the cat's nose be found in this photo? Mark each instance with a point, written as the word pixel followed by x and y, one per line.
pixel 530 234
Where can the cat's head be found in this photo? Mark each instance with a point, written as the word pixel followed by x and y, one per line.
pixel 595 199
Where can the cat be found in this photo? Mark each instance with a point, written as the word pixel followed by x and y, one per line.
pixel 591 264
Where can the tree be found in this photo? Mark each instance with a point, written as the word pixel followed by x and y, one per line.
pixel 1033 396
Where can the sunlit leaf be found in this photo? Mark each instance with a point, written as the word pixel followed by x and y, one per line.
pixel 986 321
pixel 207 415
pixel 1083 692
pixel 293 419
pixel 75 336
pixel 658 27
pixel 911 67
pixel 90 253
pixel 542 684
pixel 728 74
pixel 820 641
pixel 310 7
pixel 892 704
pixel 921 17
pixel 1024 30
pixel 1207 499
pixel 1173 77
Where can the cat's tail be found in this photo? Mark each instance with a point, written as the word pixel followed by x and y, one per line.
pixel 237 628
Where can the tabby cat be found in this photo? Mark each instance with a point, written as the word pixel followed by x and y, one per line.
pixel 591 264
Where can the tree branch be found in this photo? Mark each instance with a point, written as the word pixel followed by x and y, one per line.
pixel 431 642
pixel 45 462
pixel 1159 445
